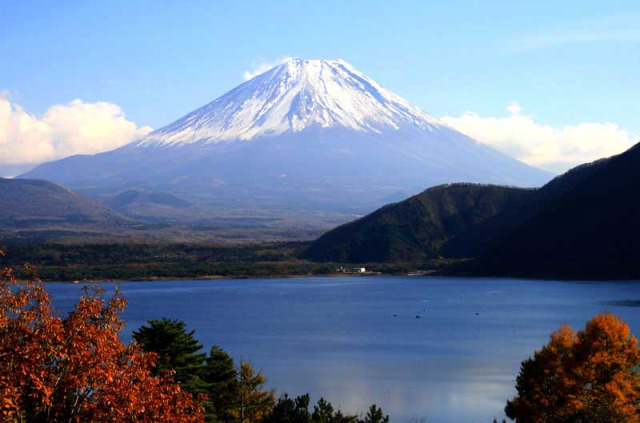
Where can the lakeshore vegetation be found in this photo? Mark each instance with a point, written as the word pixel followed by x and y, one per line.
pixel 148 261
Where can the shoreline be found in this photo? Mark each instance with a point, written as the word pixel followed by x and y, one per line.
pixel 350 275
pixel 219 277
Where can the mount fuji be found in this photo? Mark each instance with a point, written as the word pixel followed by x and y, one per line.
pixel 315 135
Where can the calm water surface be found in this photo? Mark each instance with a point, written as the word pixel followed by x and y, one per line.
pixel 443 349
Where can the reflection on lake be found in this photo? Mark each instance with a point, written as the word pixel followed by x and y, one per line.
pixel 446 349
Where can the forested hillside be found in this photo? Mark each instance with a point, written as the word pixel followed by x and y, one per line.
pixel 583 224
pixel 417 228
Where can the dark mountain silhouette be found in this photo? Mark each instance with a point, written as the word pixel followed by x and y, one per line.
pixel 584 224
pixel 589 226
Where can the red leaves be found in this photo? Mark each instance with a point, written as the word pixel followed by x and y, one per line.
pixel 76 369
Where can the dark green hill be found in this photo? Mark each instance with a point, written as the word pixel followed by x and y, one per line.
pixel 583 224
pixel 25 202
pixel 588 228
pixel 497 229
pixel 416 228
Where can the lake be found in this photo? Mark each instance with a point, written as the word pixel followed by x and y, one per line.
pixel 442 349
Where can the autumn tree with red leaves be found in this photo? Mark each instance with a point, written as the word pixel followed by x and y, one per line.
pixel 76 369
pixel 585 377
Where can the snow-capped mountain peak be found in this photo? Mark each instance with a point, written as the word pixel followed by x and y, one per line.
pixel 305 135
pixel 295 96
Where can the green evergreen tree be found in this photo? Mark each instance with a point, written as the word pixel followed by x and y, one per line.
pixel 289 410
pixel 322 412
pixel 222 378
pixel 375 415
pixel 338 417
pixel 177 349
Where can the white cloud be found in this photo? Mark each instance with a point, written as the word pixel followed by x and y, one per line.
pixel 262 67
pixel 621 28
pixel 514 108
pixel 77 127
pixel 573 37
pixel 556 149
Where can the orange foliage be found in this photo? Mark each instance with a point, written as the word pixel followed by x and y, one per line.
pixel 76 369
pixel 589 376
pixel 254 403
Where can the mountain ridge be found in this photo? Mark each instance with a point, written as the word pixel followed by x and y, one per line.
pixel 583 224
pixel 306 135
pixel 417 228
pixel 291 97
pixel 41 200
pixel 592 229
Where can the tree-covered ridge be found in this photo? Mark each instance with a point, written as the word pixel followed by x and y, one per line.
pixel 583 224
pixel 417 228
pixel 588 226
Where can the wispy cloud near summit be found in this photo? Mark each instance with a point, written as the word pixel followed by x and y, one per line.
pixel 262 67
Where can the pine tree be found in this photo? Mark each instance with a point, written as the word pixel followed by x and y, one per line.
pixel 338 417
pixel 254 402
pixel 289 410
pixel 375 415
pixel 222 378
pixel 177 350
pixel 322 412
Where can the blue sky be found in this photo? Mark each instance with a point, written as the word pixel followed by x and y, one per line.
pixel 563 62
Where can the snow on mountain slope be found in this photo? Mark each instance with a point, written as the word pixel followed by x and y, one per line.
pixel 294 96
pixel 305 135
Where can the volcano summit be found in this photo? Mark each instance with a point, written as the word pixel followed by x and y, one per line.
pixel 305 135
